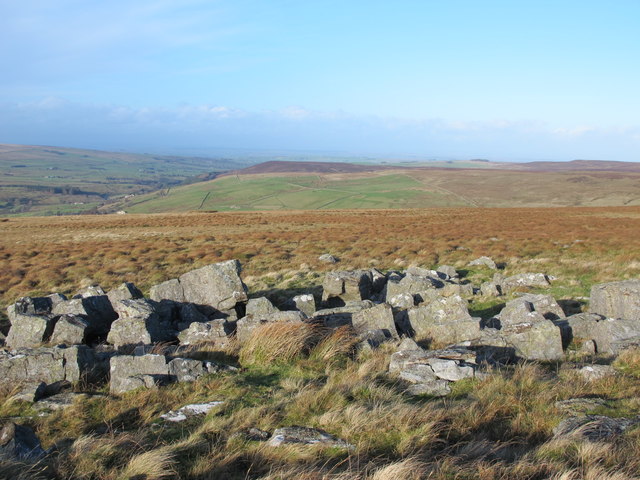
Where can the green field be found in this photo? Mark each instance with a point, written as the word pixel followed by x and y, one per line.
pixel 310 192
pixel 51 180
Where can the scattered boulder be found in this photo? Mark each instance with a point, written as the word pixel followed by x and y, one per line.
pixel 327 258
pixel 246 325
pixel 129 372
pixel 449 271
pixel 305 303
pixel 189 370
pixel 616 300
pixel 90 291
pixel 483 261
pixel 596 372
pixel 194 409
pixel 137 324
pixel 70 330
pixel 213 331
pixel 524 280
pixel 341 316
pixel 490 289
pixel 340 287
pixel 260 306
pixel 125 291
pixel 18 442
pixel 305 436
pixel 217 286
pixel 28 330
pixel 96 310
pixel 594 428
pixel 379 317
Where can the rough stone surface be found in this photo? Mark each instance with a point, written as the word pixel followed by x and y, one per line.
pixel 70 330
pixel 188 411
pixel 327 258
pixel 28 330
pixel 340 316
pixel 594 428
pixel 186 369
pixel 306 436
pixel 378 317
pixel 402 301
pixel 524 280
pixel 448 270
pixel 422 288
pixel 617 299
pixel 538 341
pixel 433 388
pixel 125 367
pixel 48 365
pixel 260 306
pixel 305 303
pixel 596 372
pixel 90 291
pixel 96 310
pixel 18 442
pixel 340 287
pixel 218 286
pixel 445 320
pixel 579 406
pixel 483 261
pixel 125 291
pixel 138 324
pixel 213 331
pixel 490 289
pixel 246 325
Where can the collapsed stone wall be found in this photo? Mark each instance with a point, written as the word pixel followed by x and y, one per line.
pixel 98 334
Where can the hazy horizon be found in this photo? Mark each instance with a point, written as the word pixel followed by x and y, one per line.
pixel 498 80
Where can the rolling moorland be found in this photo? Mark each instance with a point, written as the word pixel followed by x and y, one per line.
pixel 499 426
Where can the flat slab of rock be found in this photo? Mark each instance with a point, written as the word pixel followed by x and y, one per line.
pixel 188 411
pixel 305 436
pixel 340 287
pixel 594 428
pixel 128 372
pixel 379 317
pixel 616 299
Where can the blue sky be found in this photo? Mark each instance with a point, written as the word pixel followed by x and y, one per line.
pixel 506 80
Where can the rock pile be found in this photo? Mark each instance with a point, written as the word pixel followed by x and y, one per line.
pixel 115 334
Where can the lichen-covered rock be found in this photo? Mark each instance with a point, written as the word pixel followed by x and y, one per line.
pixel 422 288
pixel 327 258
pixel 260 306
pixel 70 330
pixel 246 325
pixel 186 369
pixel 305 303
pixel 96 310
pixel 483 261
pixel 128 372
pixel 340 287
pixel 213 331
pixel 616 299
pixel 28 330
pixel 217 286
pixel 125 291
pixel 524 280
pixel 536 341
pixel 138 324
pixel 445 320
pixel 305 436
pixel 594 428
pixel 378 317
pixel 449 271
pixel 490 289
pixel 341 316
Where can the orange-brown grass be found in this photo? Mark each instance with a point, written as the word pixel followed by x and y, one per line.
pixel 579 245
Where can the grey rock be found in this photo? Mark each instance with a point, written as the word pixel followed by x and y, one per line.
pixel 524 280
pixel 378 281
pixel 596 372
pixel 448 270
pixel 371 339
pixel 28 330
pixel 48 365
pixel 213 331
pixel 188 313
pixel 305 303
pixel 96 310
pixel 129 372
pixel 260 306
pixel 217 286
pixel 483 261
pixel 538 341
pixel 18 442
pixel 341 316
pixel 192 410
pixel 490 289
pixel 90 291
pixel 594 428
pixel 60 401
pixel 305 436
pixel 445 320
pixel 545 305
pixel 579 406
pixel 246 325
pixel 70 330
pixel 418 373
pixel 464 290
pixel 452 370
pixel 408 344
pixel 340 287
pixel 434 388
pixel 327 258
pixel 402 301
pixel 138 323
pixel 423 288
pixel 31 392
pixel 125 291
pixel 616 300
pixel 517 312
pixel 378 317
pixel 186 369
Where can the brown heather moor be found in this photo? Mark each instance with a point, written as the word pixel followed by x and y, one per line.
pixel 580 246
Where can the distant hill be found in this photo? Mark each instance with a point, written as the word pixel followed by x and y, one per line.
pixel 40 180
pixel 579 165
pixel 327 185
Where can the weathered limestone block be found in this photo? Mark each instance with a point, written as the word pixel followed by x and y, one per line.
pixel 186 369
pixel 617 299
pixel 246 325
pixel 537 341
pixel 340 287
pixel 524 280
pixel 340 316
pixel 483 261
pixel 305 303
pixel 445 320
pixel 449 271
pixel 70 330
pixel 260 306
pixel 125 291
pixel 125 367
pixel 218 286
pixel 97 311
pixel 138 324
pixel 423 288
pixel 213 331
pixel 378 317
pixel 28 330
